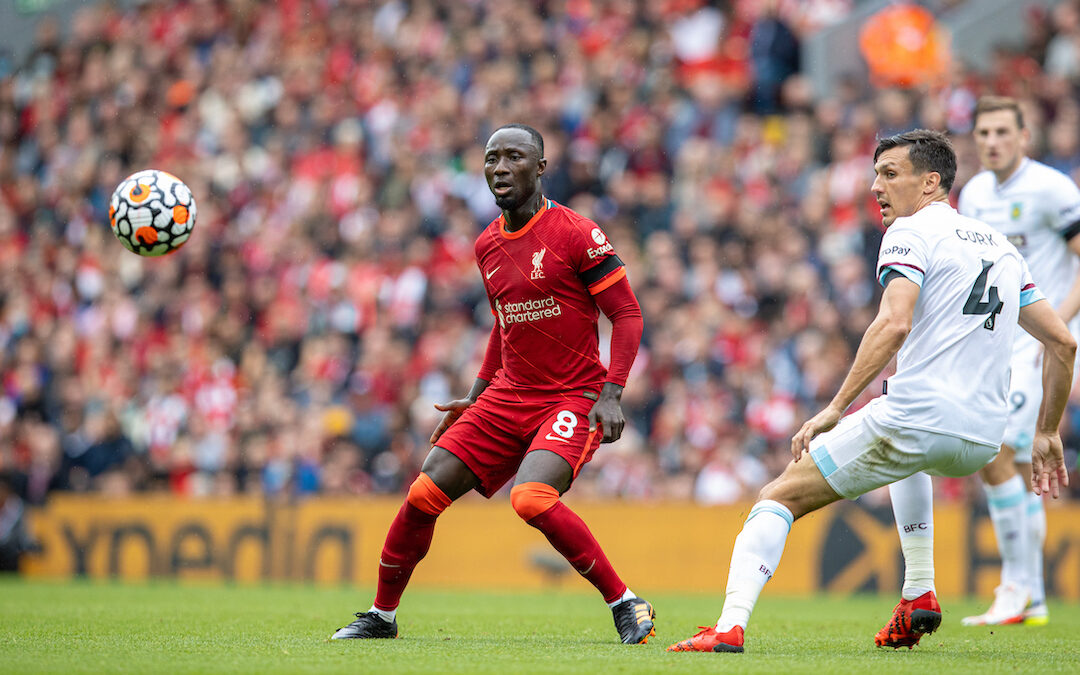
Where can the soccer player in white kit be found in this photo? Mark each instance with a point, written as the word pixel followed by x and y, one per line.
pixel 955 290
pixel 1037 209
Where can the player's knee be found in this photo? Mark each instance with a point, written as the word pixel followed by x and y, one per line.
pixel 773 490
pixel 784 491
pixel 425 495
pixel 766 494
pixel 531 499
pixel 999 470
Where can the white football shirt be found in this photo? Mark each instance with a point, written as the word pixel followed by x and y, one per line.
pixel 952 372
pixel 1037 208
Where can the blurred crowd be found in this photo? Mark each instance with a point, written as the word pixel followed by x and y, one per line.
pixel 329 296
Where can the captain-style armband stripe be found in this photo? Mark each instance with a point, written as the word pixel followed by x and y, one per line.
pixel 1030 294
pixel 608 281
pixel 907 270
pixel 598 273
pixel 601 270
pixel 1070 231
pixel 888 275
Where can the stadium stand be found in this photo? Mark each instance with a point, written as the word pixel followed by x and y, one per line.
pixel 328 295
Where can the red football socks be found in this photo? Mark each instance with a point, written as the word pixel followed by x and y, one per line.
pixel 406 544
pixel 571 537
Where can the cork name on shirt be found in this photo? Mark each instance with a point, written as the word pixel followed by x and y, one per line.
pixel 976 237
pixel 529 310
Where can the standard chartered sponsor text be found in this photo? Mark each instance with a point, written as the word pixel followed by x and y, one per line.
pixel 528 310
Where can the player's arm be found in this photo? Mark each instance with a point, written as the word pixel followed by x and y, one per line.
pixel 1047 457
pixel 619 304
pixel 883 338
pixel 492 363
pixel 1071 304
pixel 1061 198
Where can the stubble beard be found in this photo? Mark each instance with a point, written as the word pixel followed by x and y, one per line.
pixel 513 200
pixel 507 202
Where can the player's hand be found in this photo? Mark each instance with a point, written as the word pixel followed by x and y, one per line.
pixel 607 413
pixel 453 410
pixel 1048 472
pixel 821 422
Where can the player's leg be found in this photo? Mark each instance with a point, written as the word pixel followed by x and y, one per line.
pixel 857 456
pixel 913 508
pixel 1006 490
pixel 1036 613
pixel 943 455
pixel 799 490
pixel 443 478
pixel 918 611
pixel 1006 500
pixel 541 480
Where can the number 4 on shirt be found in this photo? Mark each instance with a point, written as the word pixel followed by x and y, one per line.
pixel 975 303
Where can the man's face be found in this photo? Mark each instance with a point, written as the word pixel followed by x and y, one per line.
pixel 512 167
pixel 999 140
pixel 897 187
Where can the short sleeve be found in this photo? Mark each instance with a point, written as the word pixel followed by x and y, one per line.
pixel 1062 202
pixel 1029 292
pixel 903 250
pixel 598 266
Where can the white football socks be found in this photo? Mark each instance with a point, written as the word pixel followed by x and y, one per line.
pixel 754 559
pixel 913 508
pixel 1008 512
pixel 387 616
pixel 627 594
pixel 1036 539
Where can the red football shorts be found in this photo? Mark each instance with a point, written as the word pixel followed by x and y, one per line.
pixel 494 434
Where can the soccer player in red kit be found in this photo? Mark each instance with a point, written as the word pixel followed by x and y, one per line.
pixel 542 402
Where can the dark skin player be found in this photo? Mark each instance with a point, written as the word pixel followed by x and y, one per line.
pixel 513 166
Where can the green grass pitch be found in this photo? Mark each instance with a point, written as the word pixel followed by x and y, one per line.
pixel 93 627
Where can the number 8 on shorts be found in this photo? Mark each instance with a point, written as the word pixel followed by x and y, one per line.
pixel 564 424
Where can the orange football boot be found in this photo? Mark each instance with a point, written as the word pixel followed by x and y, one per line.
pixel 911 620
pixel 708 640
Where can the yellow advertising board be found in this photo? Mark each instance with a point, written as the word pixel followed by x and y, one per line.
pixel 483 544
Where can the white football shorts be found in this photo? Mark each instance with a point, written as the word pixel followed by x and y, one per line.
pixel 861 454
pixel 1025 392
pixel 1025 398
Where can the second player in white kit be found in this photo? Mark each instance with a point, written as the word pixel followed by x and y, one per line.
pixel 1037 209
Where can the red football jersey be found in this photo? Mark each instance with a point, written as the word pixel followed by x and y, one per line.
pixel 540 281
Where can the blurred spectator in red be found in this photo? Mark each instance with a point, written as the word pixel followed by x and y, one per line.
pixel 329 294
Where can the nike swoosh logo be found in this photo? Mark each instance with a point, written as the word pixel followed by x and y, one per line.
pixel 488 275
pixel 552 437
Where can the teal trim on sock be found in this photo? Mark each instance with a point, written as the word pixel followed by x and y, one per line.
pixel 765 507
pixel 1006 501
pixel 1035 505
